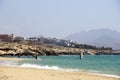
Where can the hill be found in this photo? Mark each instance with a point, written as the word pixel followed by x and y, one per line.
pixel 99 37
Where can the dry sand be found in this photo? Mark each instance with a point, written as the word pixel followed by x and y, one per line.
pixel 13 73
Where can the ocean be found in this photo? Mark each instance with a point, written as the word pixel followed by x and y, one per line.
pixel 98 64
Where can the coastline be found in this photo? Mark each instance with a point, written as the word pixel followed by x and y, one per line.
pixel 22 73
pixel 15 73
pixel 10 59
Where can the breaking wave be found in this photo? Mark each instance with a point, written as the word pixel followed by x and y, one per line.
pixel 45 67
pixel 8 63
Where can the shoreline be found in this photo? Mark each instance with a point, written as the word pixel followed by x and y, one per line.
pixel 10 59
pixel 22 74
pixel 55 68
pixel 71 75
pixel 75 71
pixel 107 75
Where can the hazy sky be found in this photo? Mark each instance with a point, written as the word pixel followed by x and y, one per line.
pixel 57 18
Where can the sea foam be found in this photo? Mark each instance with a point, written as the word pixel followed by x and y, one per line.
pixel 108 75
pixel 62 69
pixel 39 66
pixel 45 67
pixel 8 63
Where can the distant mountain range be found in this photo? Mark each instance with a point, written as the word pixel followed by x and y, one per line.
pixel 99 37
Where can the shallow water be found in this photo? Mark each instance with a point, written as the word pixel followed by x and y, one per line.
pixel 102 64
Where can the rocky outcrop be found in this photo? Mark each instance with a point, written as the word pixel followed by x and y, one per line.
pixel 18 49
pixel 28 49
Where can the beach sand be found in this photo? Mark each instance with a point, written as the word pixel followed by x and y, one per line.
pixel 15 73
pixel 11 59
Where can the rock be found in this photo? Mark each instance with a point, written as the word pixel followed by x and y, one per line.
pixel 27 49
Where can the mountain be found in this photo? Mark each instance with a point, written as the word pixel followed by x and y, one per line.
pixel 98 37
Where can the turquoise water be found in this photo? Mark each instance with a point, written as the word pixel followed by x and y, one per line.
pixel 103 64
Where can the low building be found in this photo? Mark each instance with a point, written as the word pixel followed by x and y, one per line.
pixel 18 39
pixel 6 37
pixel 33 39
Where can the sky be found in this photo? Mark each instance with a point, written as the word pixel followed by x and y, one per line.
pixel 57 18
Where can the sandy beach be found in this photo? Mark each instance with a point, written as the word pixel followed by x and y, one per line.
pixel 11 59
pixel 15 73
